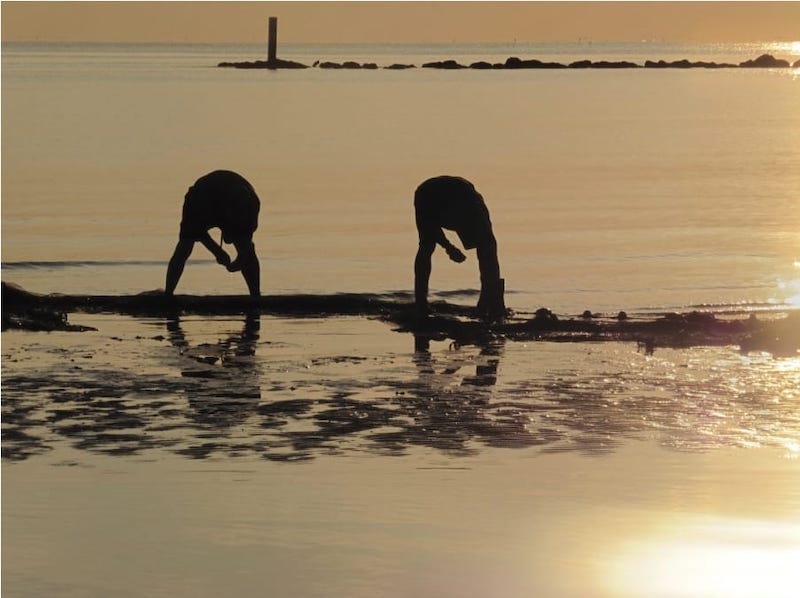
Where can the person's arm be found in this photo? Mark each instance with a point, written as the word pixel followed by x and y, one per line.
pixel 453 252
pixel 218 252
pixel 176 263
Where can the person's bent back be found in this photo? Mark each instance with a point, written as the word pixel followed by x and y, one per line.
pixel 453 203
pixel 225 200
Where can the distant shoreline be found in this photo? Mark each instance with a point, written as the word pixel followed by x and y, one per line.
pixel 515 63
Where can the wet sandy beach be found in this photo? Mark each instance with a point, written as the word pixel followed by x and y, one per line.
pixel 325 456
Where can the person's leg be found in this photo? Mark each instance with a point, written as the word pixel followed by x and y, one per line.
pixel 247 262
pixel 491 300
pixel 176 263
pixel 422 274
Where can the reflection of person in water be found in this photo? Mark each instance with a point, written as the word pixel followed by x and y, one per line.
pixel 453 203
pixel 449 408
pixel 230 364
pixel 228 352
pixel 485 366
pixel 222 385
pixel 223 389
pixel 224 200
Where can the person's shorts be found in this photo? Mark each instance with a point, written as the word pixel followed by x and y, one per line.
pixel 227 202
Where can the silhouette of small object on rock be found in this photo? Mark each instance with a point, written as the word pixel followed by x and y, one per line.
pixel 545 315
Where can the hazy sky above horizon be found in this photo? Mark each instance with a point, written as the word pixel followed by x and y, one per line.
pixel 388 22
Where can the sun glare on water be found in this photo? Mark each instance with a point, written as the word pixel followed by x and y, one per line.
pixel 790 289
pixel 794 289
pixel 716 558
pixel 792 48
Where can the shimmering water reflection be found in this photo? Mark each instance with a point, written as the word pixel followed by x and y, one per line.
pixel 335 457
pixel 298 389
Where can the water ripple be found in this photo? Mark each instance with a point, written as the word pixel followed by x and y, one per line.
pixel 241 396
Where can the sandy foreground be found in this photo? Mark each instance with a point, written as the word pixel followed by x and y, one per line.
pixel 263 455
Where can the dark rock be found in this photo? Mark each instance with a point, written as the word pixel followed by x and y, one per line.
pixel 765 61
pixel 622 64
pixel 675 64
pixel 23 310
pixel 780 338
pixel 699 318
pixel 581 64
pixel 544 314
pixel 515 63
pixel 400 67
pixel 15 296
pixel 443 64
pixel 796 64
pixel 482 65
pixel 714 65
pixel 264 64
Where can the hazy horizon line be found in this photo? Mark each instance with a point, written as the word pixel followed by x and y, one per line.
pixel 787 42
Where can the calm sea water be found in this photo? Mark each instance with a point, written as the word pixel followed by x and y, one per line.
pixel 201 456
pixel 633 189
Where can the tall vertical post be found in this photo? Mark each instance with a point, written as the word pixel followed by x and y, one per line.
pixel 272 41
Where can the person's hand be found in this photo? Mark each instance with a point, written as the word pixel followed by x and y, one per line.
pixel 455 254
pixel 234 266
pixel 223 259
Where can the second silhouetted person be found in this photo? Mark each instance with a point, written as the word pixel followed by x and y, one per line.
pixel 449 202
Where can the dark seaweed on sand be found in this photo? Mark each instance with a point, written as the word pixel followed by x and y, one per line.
pixel 779 335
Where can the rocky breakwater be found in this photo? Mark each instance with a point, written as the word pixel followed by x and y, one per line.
pixel 264 64
pixel 515 63
pixel 765 61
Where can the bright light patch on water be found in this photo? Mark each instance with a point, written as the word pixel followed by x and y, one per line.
pixel 784 47
pixel 791 288
pixel 713 558
pixel 793 447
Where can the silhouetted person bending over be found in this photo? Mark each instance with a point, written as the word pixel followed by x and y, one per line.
pixel 453 203
pixel 225 200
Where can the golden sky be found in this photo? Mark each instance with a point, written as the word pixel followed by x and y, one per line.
pixel 438 22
